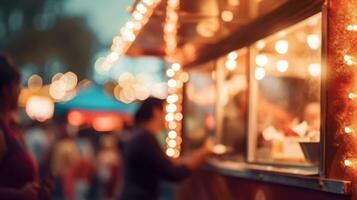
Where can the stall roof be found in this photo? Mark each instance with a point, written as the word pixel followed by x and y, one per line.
pixel 94 98
pixel 203 35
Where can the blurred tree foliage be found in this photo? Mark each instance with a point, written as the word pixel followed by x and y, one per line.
pixel 36 31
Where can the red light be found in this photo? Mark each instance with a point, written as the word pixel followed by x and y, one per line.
pixel 75 118
pixel 104 123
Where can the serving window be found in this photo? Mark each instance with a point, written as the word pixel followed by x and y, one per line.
pixel 232 102
pixel 284 111
pixel 199 106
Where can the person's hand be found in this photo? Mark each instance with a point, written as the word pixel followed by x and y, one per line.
pixel 30 191
pixel 207 146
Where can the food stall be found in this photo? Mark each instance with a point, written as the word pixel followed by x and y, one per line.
pixel 278 93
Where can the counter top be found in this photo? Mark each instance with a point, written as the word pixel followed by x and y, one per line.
pixel 304 178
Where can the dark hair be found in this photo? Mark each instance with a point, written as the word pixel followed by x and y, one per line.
pixel 9 73
pixel 145 111
pixel 9 78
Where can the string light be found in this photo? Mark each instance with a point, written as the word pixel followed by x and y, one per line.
pixel 352 95
pixel 261 44
pixel 227 16
pixel 260 73
pixel 314 69
pixel 231 62
pixel 348 130
pixel 314 41
pixel 261 60
pixel 35 82
pixel 127 35
pixel 348 60
pixel 347 163
pixel 282 46
pixel 282 65
pixel 352 27
pixel 176 79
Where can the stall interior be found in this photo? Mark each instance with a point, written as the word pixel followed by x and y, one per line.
pixel 199 107
pixel 262 102
pixel 285 96
pixel 232 103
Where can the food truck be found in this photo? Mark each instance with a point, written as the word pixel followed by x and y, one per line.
pixel 274 82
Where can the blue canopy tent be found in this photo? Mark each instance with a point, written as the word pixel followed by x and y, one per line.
pixel 94 98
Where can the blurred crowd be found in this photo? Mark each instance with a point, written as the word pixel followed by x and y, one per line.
pixel 85 164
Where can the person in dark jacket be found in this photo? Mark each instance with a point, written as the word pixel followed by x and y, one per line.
pixel 145 163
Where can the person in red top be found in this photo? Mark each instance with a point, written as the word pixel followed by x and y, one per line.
pixel 18 172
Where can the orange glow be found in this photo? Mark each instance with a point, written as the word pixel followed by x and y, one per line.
pixel 75 118
pixel 105 123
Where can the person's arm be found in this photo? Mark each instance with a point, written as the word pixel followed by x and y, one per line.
pixel 198 157
pixel 160 162
pixel 167 168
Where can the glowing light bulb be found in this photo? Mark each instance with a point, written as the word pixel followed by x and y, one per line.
pixel 113 56
pixel 172 98
pixel 172 125
pixel 314 69
pixel 231 65
pixel 170 152
pixel 148 2
pixel 172 134
pixel 172 83
pixel 227 16
pixel 58 90
pixel 350 27
pixel 58 76
pixel 138 16
pixel 176 66
pixel 259 73
pixel 282 46
pixel 178 116
pixel 141 8
pixel 347 163
pixel 352 95
pixel 184 76
pixel 261 60
pixel 35 82
pixel 261 44
pixel 170 72
pixel 172 143
pixel 313 40
pixel 171 108
pixel 346 57
pixel 282 65
pixel 169 117
pixel 232 55
pixel 348 130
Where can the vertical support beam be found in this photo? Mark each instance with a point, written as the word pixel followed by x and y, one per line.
pixel 341 109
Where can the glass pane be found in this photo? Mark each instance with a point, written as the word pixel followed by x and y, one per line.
pixel 199 107
pixel 286 100
pixel 232 102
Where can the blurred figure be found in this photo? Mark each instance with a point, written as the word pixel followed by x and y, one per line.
pixel 84 169
pixel 109 168
pixel 145 164
pixel 38 139
pixel 18 172
pixel 63 159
